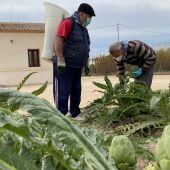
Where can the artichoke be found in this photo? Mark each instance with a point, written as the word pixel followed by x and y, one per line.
pixel 162 152
pixel 153 166
pixel 164 164
pixel 123 153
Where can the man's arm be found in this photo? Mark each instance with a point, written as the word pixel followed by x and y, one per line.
pixel 62 33
pixel 59 47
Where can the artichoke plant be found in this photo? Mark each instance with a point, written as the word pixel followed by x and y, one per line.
pixel 162 152
pixel 123 153
pixel 153 166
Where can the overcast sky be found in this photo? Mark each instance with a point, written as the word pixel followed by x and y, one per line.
pixel 147 20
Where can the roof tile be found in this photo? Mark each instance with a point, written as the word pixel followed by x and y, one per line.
pixel 22 27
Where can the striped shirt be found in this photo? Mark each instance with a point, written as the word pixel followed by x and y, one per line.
pixel 138 53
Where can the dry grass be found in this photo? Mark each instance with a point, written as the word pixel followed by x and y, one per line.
pixel 105 65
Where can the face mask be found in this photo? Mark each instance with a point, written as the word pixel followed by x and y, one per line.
pixel 87 22
pixel 119 58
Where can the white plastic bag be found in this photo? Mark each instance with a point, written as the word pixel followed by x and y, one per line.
pixel 54 15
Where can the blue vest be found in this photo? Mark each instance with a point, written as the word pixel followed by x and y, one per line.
pixel 76 46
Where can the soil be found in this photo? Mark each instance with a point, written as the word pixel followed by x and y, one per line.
pixel 89 90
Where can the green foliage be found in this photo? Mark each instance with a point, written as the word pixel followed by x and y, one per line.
pixel 36 92
pixel 162 152
pixel 52 133
pixel 142 152
pixel 18 159
pixel 161 103
pixel 120 101
pixel 153 166
pixel 132 128
pixel 24 80
pixel 134 101
pixel 49 163
pixel 5 166
pixel 41 89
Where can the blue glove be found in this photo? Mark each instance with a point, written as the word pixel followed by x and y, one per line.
pixel 137 73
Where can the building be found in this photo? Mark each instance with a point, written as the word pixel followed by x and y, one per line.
pixel 20 54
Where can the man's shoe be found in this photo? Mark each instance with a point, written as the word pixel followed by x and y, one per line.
pixel 80 119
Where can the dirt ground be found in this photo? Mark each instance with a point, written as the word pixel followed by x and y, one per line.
pixel 88 88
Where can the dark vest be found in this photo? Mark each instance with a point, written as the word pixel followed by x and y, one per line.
pixel 76 46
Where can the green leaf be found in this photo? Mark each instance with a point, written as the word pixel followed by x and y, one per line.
pixel 48 163
pixel 164 107
pixel 5 166
pixel 5 110
pixel 160 105
pixel 65 142
pixel 13 126
pixel 108 83
pixel 143 153
pixel 10 155
pixel 145 124
pixel 102 86
pixel 41 89
pixel 154 102
pixel 91 109
pixel 24 80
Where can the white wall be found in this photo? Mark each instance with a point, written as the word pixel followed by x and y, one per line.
pixel 13 78
pixel 14 58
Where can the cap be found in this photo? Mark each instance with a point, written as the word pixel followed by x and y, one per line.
pixel 86 8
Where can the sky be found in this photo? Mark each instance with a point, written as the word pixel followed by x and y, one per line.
pixel 145 20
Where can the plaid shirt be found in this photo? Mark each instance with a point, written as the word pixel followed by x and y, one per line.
pixel 138 53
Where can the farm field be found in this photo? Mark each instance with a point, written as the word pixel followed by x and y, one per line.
pixel 123 124
pixel 88 88
pixel 89 94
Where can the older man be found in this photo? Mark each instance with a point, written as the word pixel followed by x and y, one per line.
pixel 72 53
pixel 137 53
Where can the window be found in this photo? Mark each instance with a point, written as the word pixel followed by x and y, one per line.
pixel 33 58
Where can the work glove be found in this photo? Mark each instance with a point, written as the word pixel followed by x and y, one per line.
pixel 137 73
pixel 61 65
pixel 86 70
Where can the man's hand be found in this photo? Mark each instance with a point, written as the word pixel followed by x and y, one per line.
pixel 86 70
pixel 61 65
pixel 137 73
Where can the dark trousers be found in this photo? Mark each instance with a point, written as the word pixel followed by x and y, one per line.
pixel 67 84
